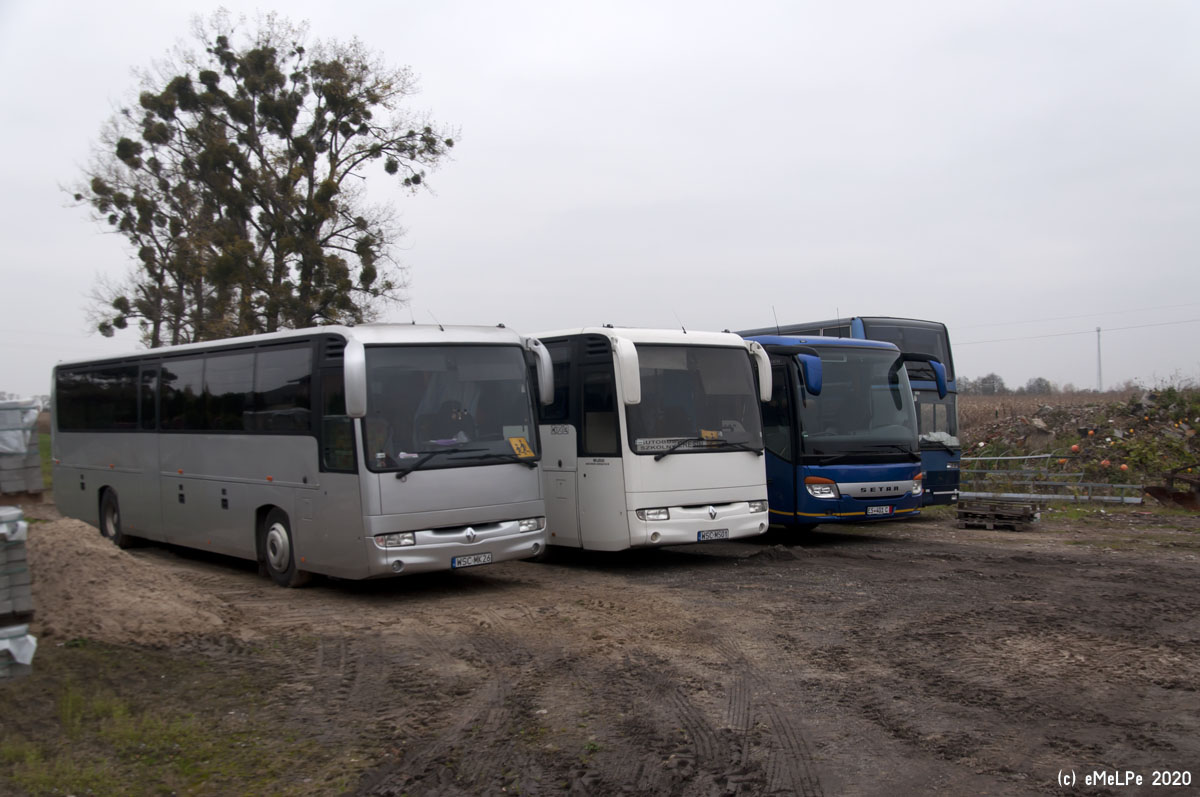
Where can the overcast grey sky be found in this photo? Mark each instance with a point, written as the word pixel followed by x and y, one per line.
pixel 1014 169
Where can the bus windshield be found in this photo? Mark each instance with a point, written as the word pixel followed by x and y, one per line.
pixel 694 398
pixel 921 337
pixel 865 406
pixel 936 420
pixel 447 406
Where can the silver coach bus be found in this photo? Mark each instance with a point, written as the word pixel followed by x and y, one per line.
pixel 355 452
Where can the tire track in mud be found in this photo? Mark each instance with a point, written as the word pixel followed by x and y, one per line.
pixel 790 767
pixel 474 751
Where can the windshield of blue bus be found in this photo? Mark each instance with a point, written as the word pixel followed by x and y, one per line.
pixel 447 406
pixel 937 419
pixel 694 398
pixel 919 337
pixel 865 405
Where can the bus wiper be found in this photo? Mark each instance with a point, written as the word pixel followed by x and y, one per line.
pixel 895 447
pixel 829 459
pixel 717 443
pixel 502 456
pixel 416 464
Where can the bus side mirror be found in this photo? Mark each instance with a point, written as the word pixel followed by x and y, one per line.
pixel 939 374
pixel 354 372
pixel 813 375
pixel 939 370
pixel 628 370
pixel 763 360
pixel 545 370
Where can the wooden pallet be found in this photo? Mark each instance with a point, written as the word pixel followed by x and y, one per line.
pixel 992 515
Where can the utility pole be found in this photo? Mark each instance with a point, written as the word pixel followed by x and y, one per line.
pixel 1099 379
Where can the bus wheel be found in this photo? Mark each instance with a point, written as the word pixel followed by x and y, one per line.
pixel 277 550
pixel 110 520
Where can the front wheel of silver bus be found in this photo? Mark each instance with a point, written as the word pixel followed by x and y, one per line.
pixel 278 553
pixel 110 520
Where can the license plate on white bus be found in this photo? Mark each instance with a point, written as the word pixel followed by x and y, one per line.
pixel 471 560
pixel 712 534
pixel 879 510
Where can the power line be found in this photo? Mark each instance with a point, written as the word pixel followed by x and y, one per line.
pixel 1084 332
pixel 1075 317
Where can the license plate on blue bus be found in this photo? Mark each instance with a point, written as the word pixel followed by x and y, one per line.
pixel 712 534
pixel 879 510
pixel 471 560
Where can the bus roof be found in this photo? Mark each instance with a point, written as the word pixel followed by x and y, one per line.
pixel 369 334
pixel 843 321
pixel 640 335
pixel 818 341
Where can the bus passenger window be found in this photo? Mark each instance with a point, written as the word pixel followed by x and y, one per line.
pixel 777 417
pixel 600 434
pixel 337 429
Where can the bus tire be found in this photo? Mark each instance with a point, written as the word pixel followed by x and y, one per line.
pixel 278 552
pixel 110 520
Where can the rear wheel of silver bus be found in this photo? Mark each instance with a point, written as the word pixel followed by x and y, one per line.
pixel 110 520
pixel 278 552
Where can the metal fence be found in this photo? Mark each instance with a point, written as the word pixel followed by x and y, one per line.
pixel 1031 478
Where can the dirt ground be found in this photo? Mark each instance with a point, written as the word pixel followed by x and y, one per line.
pixel 895 658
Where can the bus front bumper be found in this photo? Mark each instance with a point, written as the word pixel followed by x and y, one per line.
pixel 455 548
pixel 702 523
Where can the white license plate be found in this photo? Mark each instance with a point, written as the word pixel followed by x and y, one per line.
pixel 472 560
pixel 879 510
pixel 712 534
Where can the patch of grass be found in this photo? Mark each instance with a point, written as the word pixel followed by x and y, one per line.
pixel 99 719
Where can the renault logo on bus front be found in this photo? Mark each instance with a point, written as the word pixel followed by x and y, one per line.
pixel 712 513
pixel 470 534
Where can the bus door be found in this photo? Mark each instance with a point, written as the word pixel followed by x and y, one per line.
pixel 780 440
pixel 600 478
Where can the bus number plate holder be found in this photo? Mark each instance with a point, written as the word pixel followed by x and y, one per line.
pixel 879 510
pixel 712 534
pixel 471 560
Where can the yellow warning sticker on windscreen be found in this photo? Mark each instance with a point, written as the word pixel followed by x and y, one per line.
pixel 520 446
pixel 708 434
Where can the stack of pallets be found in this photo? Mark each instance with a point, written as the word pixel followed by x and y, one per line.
pixel 1010 515
pixel 16 597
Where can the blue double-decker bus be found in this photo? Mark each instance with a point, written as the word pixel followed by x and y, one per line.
pixel 937 415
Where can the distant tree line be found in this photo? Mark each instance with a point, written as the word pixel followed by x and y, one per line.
pixel 993 385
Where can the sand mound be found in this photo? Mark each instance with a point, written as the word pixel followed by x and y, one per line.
pixel 84 586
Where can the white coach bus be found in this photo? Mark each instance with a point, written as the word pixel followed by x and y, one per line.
pixel 355 452
pixel 654 437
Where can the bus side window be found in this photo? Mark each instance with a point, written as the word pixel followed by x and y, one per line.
pixel 281 389
pixel 777 416
pixel 560 410
pixel 337 428
pixel 182 395
pixel 600 436
pixel 148 396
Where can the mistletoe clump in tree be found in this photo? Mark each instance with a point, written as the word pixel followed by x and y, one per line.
pixel 239 180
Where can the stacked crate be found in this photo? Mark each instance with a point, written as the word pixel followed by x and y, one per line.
pixel 17 645
pixel 20 460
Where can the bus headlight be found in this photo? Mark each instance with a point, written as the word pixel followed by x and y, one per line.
pixel 661 513
pixel 758 506
pixel 399 540
pixel 918 485
pixel 532 524
pixel 821 488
